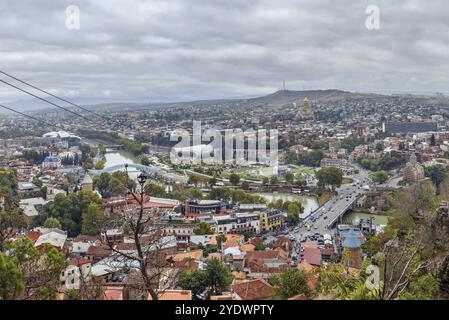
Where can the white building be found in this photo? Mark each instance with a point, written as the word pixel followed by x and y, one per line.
pixel 237 222
pixel 78 270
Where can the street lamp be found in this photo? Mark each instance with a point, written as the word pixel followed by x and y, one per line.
pixel 142 178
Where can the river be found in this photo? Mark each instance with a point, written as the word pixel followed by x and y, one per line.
pixel 117 158
pixel 354 217
pixel 309 203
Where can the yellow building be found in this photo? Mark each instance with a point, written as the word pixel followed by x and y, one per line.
pixel 271 220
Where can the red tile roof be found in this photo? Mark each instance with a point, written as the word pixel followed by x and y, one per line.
pixel 312 256
pixel 253 289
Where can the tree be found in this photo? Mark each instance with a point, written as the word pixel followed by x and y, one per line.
pixel 101 182
pixel 212 181
pixel 155 190
pixel 203 228
pixel 436 173
pixel 40 269
pixel 88 163
pixel 432 140
pixel 193 179
pixel 245 185
pixel 72 294
pixel 291 282
pixel 10 221
pixel 52 223
pixel 425 287
pixel 11 282
pixel 99 165
pixel 274 180
pixel 223 194
pixel 110 185
pixel 289 177
pixel 221 238
pixel 329 176
pixel 194 280
pixel 380 176
pixel 234 179
pixel 146 161
pixel 93 218
pixel 37 182
pixel 69 210
pixel 265 181
pixel 218 276
pixel 148 234
pixel 293 212
pixel 101 149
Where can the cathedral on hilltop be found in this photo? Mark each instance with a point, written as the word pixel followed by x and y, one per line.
pixel 306 112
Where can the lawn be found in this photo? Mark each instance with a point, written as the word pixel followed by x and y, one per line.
pixel 300 169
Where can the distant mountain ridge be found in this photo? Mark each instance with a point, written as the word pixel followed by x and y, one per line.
pixel 276 99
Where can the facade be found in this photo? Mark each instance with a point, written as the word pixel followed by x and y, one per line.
pixel 341 164
pixel 194 207
pixel 413 170
pixel 182 232
pixel 28 190
pixel 334 145
pixel 72 276
pixel 237 223
pixel 409 127
pixel 271 220
pixel 51 162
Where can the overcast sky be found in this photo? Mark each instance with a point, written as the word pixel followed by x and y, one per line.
pixel 202 49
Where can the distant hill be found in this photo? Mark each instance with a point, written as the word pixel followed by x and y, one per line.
pixel 283 97
pixel 275 100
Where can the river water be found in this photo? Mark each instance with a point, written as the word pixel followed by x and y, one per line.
pixel 118 158
pixel 309 203
pixel 354 217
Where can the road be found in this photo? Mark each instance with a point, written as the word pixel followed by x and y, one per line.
pixel 320 219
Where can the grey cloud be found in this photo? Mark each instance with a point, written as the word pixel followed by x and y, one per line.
pixel 200 49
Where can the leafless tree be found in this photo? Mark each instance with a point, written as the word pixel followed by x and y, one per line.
pixel 150 245
pixel 400 266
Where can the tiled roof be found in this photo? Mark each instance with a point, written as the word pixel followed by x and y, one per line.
pixel 174 295
pixel 194 254
pixel 312 256
pixel 253 289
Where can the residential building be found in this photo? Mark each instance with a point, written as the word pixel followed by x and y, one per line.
pixel 271 220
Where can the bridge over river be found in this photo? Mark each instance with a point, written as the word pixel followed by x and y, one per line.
pixel 132 167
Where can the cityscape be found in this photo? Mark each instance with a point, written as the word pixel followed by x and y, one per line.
pixel 214 180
